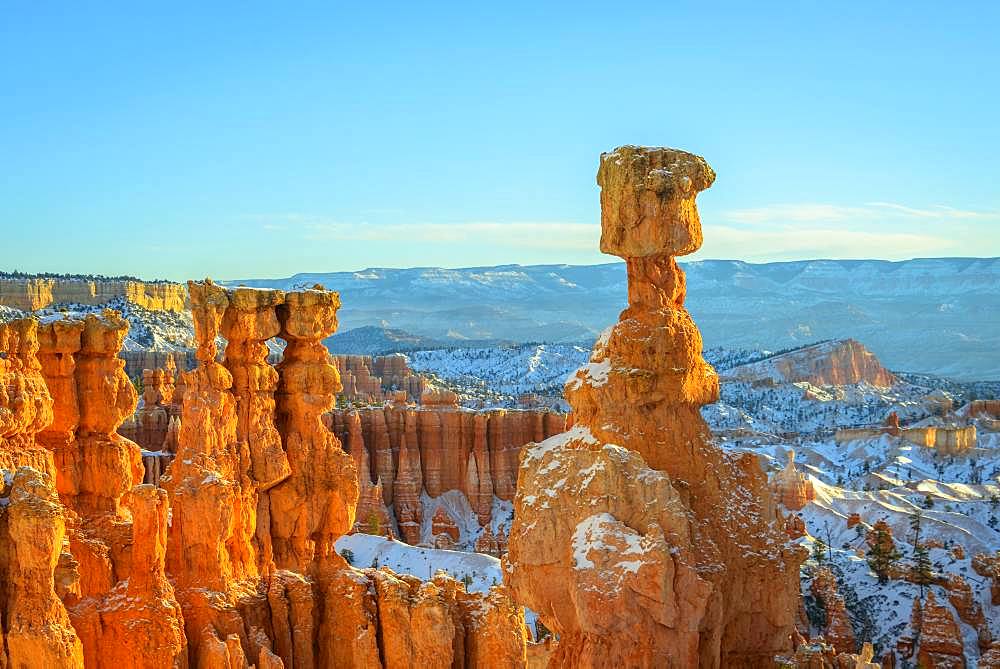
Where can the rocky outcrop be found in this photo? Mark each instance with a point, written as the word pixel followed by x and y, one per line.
pixel 791 488
pixel 832 363
pixel 230 563
pixel 635 539
pixel 155 425
pixel 838 632
pixel 443 529
pixel 969 611
pixel 35 628
pixel 949 440
pixel 988 566
pixel 982 408
pixel 409 451
pixel 31 294
pixel 820 655
pixel 368 380
pixel 117 535
pixel 26 406
pixel 939 637
pixel 137 361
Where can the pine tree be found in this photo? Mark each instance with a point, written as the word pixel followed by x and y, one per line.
pixel 882 552
pixel 922 571
pixel 928 501
pixel 916 518
pixel 819 551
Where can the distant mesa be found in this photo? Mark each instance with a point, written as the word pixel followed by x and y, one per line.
pixel 31 293
pixel 832 363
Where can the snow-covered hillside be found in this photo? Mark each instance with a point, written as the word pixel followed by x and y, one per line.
pixel 480 572
pixel 500 374
pixel 955 497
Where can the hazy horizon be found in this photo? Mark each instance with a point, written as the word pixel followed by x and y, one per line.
pixel 611 260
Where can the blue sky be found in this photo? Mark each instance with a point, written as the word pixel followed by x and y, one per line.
pixel 256 140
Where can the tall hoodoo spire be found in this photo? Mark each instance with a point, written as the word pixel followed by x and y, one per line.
pixel 635 538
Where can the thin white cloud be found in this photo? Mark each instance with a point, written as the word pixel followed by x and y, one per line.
pixel 523 234
pixel 871 212
pixel 818 242
pixel 775 232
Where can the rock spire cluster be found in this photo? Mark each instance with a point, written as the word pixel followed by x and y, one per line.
pixel 431 449
pixel 232 562
pixel 635 539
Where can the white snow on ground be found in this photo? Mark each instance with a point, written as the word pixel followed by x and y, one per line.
pixel 504 372
pixel 887 478
pixel 148 330
pixel 479 572
pixel 371 551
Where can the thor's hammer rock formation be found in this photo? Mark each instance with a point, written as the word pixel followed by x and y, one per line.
pixel 637 540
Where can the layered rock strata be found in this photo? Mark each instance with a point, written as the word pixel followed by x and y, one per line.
pixel 838 632
pixel 832 363
pixel 939 636
pixel 31 294
pixel 635 539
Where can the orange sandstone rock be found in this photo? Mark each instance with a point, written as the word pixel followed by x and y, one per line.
pixel 791 488
pixel 26 407
pixel 635 539
pixel 442 523
pixel 317 503
pixel 940 638
pixel 35 628
pixel 838 630
pixel 961 597
pixel 247 540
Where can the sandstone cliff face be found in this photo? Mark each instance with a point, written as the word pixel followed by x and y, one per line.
pixel 835 363
pixel 38 293
pixel 635 539
pixel 408 451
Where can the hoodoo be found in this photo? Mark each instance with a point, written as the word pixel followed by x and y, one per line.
pixel 232 562
pixel 635 539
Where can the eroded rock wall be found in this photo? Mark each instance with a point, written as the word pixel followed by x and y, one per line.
pixel 372 380
pixel 434 448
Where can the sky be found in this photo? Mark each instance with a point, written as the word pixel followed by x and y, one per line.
pixel 261 140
